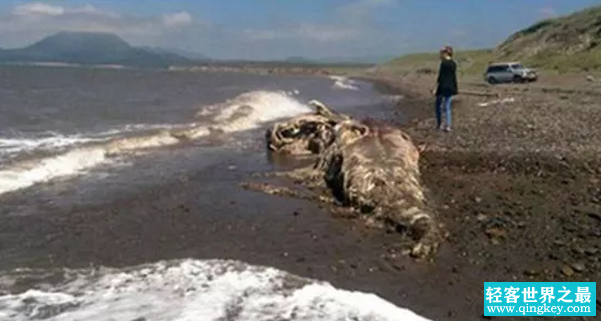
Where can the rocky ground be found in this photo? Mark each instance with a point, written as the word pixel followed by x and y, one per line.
pixel 517 181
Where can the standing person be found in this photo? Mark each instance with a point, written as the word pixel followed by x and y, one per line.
pixel 446 87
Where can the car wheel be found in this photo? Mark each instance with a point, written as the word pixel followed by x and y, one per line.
pixel 518 79
pixel 492 80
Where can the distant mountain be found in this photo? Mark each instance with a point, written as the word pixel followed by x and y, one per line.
pixel 299 59
pixel 339 60
pixel 179 52
pixel 358 59
pixel 91 48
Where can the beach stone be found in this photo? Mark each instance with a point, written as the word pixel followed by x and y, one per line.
pixel 578 266
pixel 567 271
pixel 595 215
pixel 531 272
pixel 481 217
pixel 592 211
pixel 577 250
pixel 596 233
pixel 495 232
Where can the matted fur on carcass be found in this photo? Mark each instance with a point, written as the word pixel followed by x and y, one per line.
pixel 370 166
pixel 304 134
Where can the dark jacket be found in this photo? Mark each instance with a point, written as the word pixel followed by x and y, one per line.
pixel 447 78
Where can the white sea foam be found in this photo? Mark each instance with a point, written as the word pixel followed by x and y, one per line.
pixel 11 145
pixel 195 290
pixel 251 110
pixel 346 83
pixel 247 111
pixel 20 143
pixel 28 173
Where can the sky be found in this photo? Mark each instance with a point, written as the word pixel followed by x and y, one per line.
pixel 277 29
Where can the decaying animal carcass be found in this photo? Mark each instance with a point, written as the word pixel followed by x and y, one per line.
pixel 304 134
pixel 374 168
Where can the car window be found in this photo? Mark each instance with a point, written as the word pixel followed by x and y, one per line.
pixel 498 68
pixel 517 66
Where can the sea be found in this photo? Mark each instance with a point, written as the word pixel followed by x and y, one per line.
pixel 83 135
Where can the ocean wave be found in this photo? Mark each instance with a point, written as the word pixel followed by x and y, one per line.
pixel 193 290
pixel 16 143
pixel 27 173
pixel 346 83
pixel 247 111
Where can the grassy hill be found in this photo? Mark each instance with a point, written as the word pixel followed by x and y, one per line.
pixel 568 43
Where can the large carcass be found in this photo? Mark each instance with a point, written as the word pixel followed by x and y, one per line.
pixel 304 134
pixel 370 166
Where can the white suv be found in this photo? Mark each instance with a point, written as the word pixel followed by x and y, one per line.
pixel 509 72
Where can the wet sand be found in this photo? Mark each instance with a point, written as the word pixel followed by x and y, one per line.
pixel 512 215
pixel 208 217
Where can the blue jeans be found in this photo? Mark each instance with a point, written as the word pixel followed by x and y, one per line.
pixel 446 100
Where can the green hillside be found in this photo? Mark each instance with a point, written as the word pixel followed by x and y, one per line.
pixel 566 43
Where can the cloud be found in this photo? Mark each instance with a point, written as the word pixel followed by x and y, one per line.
pixel 38 8
pixel 29 22
pixel 91 10
pixel 177 19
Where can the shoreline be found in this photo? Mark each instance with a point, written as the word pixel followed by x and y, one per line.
pixel 495 206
